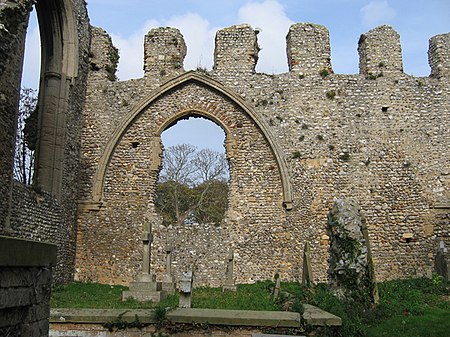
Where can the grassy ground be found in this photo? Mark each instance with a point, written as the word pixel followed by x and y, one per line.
pixel 99 296
pixel 413 307
pixel 93 295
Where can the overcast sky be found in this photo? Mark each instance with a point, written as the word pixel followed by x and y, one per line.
pixel 128 21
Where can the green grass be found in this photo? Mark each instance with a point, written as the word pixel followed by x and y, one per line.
pixel 412 307
pixel 247 297
pixel 99 296
pixel 102 296
pixel 432 323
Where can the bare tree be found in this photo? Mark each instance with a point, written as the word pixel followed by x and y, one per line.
pixel 189 177
pixel 210 165
pixel 177 164
pixel 178 169
pixel 26 137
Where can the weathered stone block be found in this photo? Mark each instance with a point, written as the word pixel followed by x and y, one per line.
pixel 164 52
pixel 380 52
pixel 308 49
pixel 15 297
pixel 236 50
pixel 142 296
pixel 439 55
pixel 145 286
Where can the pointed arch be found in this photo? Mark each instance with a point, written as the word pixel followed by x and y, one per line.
pixel 191 76
pixel 59 67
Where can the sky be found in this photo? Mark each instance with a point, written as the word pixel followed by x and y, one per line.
pixel 198 20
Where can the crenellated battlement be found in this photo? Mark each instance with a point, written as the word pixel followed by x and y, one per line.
pixel 236 49
pixel 104 56
pixel 307 47
pixel 164 52
pixel 380 52
pixel 439 55
pixel 294 142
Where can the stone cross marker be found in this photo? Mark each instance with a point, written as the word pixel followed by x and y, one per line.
pixel 169 261
pixel 145 288
pixel 147 239
pixel 168 283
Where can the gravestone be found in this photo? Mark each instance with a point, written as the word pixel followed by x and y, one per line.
pixel 307 278
pixel 186 290
pixel 442 261
pixel 145 288
pixel 229 281
pixel 276 290
pixel 168 282
pixel 351 270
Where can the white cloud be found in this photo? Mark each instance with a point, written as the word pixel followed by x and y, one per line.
pixel 376 13
pixel 131 51
pixel 199 38
pixel 272 19
pixel 197 33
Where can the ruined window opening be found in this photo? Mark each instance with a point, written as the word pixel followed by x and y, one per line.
pixel 26 132
pixel 193 180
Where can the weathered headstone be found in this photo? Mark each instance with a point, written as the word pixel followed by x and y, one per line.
pixel 276 290
pixel 442 261
pixel 186 290
pixel 307 278
pixel 350 272
pixel 229 281
pixel 168 283
pixel 145 288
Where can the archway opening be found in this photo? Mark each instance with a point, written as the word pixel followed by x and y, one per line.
pixel 25 143
pixel 193 180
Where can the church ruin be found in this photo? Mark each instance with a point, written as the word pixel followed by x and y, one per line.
pixel 294 141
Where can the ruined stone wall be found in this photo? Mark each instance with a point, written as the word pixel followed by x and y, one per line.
pixel 380 137
pixel 130 184
pixel 13 24
pixel 72 143
pixel 39 216
pixel 25 286
pixel 48 215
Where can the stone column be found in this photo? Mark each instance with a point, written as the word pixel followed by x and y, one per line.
pixel 439 55
pixel 164 52
pixel 147 239
pixel 236 50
